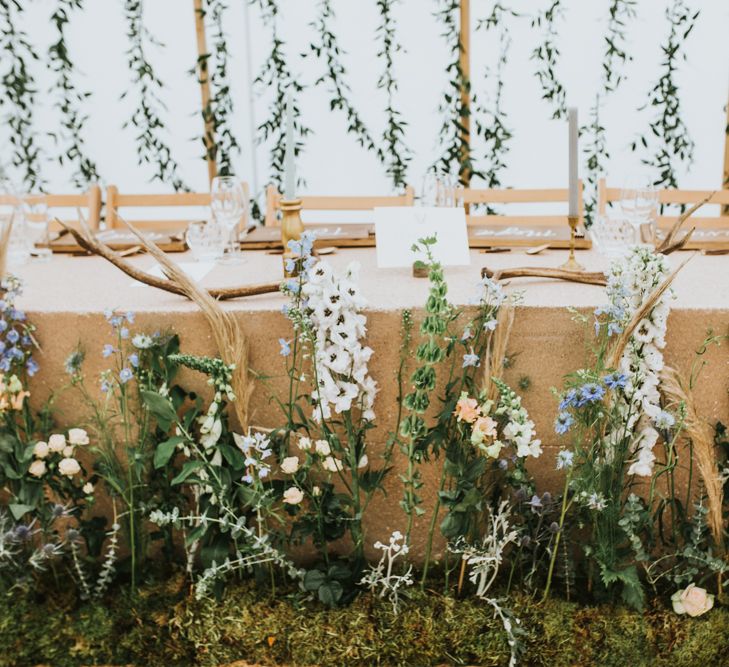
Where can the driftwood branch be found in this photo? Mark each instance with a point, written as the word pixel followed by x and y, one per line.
pixel 589 278
pixel 86 240
pixel 669 245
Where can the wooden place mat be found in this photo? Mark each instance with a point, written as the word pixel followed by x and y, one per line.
pixel 340 236
pixel 488 236
pixel 120 240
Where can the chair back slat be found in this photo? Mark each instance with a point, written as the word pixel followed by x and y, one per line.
pixel 88 202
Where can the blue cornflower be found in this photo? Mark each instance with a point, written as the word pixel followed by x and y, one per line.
pixel 615 380
pixel 535 503
pixel 285 347
pixel 13 336
pixel 15 353
pixel 134 359
pixel 32 366
pixel 564 459
pixel 125 375
pixel 503 464
pixel 563 423
pixel 108 350
pixel 590 393
pixel 569 400
pixel 74 361
pixel 105 386
pixel 470 359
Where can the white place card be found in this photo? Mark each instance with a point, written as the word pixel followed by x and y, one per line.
pixel 398 228
pixel 196 270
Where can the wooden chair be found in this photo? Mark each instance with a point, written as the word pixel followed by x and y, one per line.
pixel 88 202
pixel 607 195
pixel 469 197
pixel 334 203
pixel 115 201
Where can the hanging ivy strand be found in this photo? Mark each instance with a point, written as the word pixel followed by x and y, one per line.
pixel 18 93
pixel 220 109
pixel 615 55
pixel 546 54
pixel 146 118
pixel 397 153
pixel 327 49
pixel 275 76
pixel 70 139
pixel 668 138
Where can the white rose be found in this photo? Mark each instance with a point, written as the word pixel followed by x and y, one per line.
pixel 331 464
pixel 68 452
pixel 78 436
pixel 88 488
pixel 37 468
pixel 293 495
pixel 323 448
pixel 69 467
pixel 290 465
pixel 41 450
pixel 57 442
pixel 304 444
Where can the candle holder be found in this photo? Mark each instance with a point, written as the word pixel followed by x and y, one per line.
pixel 291 230
pixel 572 264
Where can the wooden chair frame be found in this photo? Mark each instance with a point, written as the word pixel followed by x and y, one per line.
pixel 89 200
pixel 335 203
pixel 469 196
pixel 115 201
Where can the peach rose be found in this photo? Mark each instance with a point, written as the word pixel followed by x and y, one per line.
pixel 467 409
pixel 692 600
pixel 485 426
pixel 16 402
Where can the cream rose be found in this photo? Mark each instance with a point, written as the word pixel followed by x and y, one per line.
pixel 57 442
pixel 304 444
pixel 331 464
pixel 41 450
pixel 37 468
pixel 692 600
pixel 78 436
pixel 88 488
pixel 293 495
pixel 69 467
pixel 322 448
pixel 68 452
pixel 290 465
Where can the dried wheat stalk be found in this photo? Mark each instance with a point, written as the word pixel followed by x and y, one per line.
pixel 493 361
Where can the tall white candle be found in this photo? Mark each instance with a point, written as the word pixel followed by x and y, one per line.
pixel 289 156
pixel 573 176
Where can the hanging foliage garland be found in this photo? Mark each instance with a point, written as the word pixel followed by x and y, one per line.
pixel 18 93
pixel 71 137
pixel 493 128
pixel 397 154
pixel 546 54
pixel 146 118
pixel 220 108
pixel 328 51
pixel 457 154
pixel 668 138
pixel 275 75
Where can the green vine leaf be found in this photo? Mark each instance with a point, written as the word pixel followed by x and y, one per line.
pixel 546 54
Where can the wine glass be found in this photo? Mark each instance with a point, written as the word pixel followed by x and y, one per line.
pixel 228 206
pixel 35 214
pixel 430 191
pixel 640 208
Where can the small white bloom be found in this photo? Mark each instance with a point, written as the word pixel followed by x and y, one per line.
pixel 322 448
pixel 331 464
pixel 68 451
pixel 78 436
pixel 57 443
pixel 41 450
pixel 363 462
pixel 293 495
pixel 69 467
pixel 37 468
pixel 304 444
pixel 290 465
pixel 88 488
pixel 316 491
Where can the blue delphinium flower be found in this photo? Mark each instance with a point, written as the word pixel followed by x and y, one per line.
pixel 125 375
pixel 134 360
pixel 285 347
pixel 290 265
pixel 564 459
pixel 563 423
pixel 108 350
pixel 590 393
pixel 615 380
pixel 31 366
pixel 13 336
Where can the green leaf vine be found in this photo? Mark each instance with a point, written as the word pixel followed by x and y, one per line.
pixel 70 100
pixel 276 75
pixel 327 50
pixel 397 154
pixel 668 137
pixel 146 118
pixel 546 54
pixel 220 108
pixel 456 147
pixel 19 92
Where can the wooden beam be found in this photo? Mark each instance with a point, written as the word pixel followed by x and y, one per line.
pixel 204 80
pixel 465 65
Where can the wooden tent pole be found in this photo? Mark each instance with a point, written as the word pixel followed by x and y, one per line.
pixel 204 80
pixel 725 179
pixel 465 65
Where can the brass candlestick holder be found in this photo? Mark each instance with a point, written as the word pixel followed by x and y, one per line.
pixel 572 264
pixel 291 230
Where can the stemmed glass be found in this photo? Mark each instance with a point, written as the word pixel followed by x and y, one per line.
pixel 35 213
pixel 640 207
pixel 229 206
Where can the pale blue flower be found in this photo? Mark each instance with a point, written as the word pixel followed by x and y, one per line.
pixel 615 380
pixel 285 347
pixel 108 350
pixel 563 423
pixel 565 459
pixel 664 420
pixel 470 359
pixel 134 359
pixel 125 375
pixel 490 325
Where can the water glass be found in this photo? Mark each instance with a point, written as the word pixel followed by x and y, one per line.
pixel 612 236
pixel 228 206
pixel 640 208
pixel 35 214
pixel 206 240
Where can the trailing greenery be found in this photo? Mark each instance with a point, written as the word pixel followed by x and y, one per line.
pixel 71 141
pixel 546 55
pixel 146 119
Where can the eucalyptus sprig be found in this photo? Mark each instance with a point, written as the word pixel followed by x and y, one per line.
pixel 70 100
pixel 668 138
pixel 19 92
pixel 546 55
pixel 146 118
pixel 396 153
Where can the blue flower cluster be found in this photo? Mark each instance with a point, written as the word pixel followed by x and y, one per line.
pixel 615 316
pixel 588 394
pixel 302 249
pixel 119 325
pixel 16 340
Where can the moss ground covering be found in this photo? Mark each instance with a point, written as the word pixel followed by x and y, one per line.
pixel 163 625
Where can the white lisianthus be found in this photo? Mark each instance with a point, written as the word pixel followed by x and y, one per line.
pixel 304 444
pixel 293 495
pixel 37 468
pixel 78 436
pixel 41 450
pixel 330 464
pixel 57 443
pixel 68 451
pixel 322 448
pixel 69 467
pixel 290 465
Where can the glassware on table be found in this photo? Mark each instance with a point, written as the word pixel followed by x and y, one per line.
pixel 35 215
pixel 228 205
pixel 437 190
pixel 612 236
pixel 640 208
pixel 206 240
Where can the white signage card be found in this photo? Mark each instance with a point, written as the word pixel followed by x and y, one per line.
pixel 398 228
pixel 195 270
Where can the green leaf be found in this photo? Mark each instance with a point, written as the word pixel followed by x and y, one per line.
pixel 165 450
pixel 18 510
pixel 330 593
pixel 314 579
pixel 187 469
pixel 233 456
pixel 160 407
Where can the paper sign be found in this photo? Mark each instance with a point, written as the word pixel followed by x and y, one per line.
pixel 398 228
pixel 196 270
